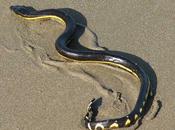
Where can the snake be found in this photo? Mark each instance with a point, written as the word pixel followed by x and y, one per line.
pixel 94 56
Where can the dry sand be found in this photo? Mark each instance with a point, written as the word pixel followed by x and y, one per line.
pixel 39 90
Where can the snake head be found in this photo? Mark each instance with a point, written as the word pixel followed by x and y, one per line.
pixel 22 10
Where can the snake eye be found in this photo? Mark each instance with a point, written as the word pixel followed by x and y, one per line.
pixel 22 10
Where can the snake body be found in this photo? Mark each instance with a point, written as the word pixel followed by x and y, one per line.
pixel 93 56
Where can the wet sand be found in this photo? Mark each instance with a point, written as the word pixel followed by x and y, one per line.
pixel 40 90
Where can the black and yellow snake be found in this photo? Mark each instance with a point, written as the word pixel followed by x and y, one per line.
pixel 99 56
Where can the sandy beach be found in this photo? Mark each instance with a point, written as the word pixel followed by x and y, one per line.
pixel 40 90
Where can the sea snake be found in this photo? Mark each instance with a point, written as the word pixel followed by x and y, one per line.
pixel 94 56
